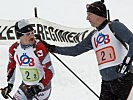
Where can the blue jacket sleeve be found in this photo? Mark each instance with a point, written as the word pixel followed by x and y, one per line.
pixel 78 49
pixel 125 34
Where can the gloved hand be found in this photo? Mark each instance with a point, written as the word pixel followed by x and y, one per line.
pixel 124 67
pixel 38 36
pixel 5 91
pixel 51 48
pixel 33 90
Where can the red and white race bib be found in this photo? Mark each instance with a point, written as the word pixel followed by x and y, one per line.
pixel 105 55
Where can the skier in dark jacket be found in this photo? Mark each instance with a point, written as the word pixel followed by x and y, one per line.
pixel 113 45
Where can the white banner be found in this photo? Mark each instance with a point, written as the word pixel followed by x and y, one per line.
pixel 49 31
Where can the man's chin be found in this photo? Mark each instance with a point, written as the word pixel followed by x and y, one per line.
pixel 32 42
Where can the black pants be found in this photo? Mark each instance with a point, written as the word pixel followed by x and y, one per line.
pixel 22 94
pixel 117 89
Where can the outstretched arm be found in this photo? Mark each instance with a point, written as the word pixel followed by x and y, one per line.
pixel 78 49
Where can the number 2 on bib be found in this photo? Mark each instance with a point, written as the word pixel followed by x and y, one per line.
pixel 29 74
pixel 105 55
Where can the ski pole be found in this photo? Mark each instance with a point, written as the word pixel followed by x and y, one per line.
pixel 36 97
pixel 10 96
pixel 7 94
pixel 76 75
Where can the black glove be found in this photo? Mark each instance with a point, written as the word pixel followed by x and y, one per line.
pixel 51 48
pixel 32 90
pixel 5 91
pixel 124 67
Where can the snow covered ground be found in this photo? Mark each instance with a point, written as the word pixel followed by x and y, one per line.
pixel 65 86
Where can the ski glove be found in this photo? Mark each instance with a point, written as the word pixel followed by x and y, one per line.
pixel 51 48
pixel 5 91
pixel 33 90
pixel 124 67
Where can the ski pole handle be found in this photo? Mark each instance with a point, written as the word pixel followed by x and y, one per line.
pixel 7 94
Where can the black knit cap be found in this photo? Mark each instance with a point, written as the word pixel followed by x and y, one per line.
pixel 97 8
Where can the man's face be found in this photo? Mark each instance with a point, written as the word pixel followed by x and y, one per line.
pixel 93 19
pixel 27 38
